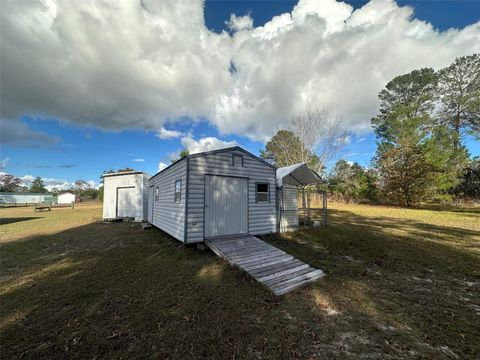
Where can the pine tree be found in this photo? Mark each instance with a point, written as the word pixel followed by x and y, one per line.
pixel 38 186
pixel 416 158
pixel 459 95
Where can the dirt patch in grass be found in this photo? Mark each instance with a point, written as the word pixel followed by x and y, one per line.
pixel 400 284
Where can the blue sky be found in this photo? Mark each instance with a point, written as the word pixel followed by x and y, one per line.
pixel 68 147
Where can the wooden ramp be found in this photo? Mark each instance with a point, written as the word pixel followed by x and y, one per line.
pixel 269 265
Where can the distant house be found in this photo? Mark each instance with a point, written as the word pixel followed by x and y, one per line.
pixel 67 198
pixel 26 198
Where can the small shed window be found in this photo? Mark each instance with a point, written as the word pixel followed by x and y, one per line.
pixel 157 193
pixel 237 160
pixel 178 191
pixel 262 192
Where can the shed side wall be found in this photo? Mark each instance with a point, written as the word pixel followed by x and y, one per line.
pixel 110 185
pixel 66 198
pixel 168 215
pixel 261 216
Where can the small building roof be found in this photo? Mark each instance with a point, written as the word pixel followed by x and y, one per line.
pixel 119 173
pixel 298 174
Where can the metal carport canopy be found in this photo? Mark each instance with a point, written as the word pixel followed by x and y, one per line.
pixel 298 174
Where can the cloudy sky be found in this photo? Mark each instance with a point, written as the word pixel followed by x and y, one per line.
pixel 88 86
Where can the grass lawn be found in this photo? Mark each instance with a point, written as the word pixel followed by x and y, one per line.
pixel 400 284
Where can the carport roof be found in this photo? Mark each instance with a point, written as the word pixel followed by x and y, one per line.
pixel 298 174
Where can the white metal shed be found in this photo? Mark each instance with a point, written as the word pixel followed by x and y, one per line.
pixel 217 193
pixel 125 195
pixel 66 198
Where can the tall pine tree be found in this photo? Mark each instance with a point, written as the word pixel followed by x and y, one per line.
pixel 38 186
pixel 459 95
pixel 414 155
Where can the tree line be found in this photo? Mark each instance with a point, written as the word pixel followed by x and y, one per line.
pixel 11 183
pixel 82 188
pixel 421 127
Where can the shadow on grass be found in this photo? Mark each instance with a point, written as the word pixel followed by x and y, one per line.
pixel 5 221
pixel 113 291
pixel 403 244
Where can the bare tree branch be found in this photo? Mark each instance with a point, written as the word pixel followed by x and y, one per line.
pixel 320 134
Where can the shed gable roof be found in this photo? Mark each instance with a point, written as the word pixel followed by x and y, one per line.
pixel 125 173
pixel 213 152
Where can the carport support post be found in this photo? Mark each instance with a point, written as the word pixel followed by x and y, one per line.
pixel 303 206
pixel 308 206
pixel 325 208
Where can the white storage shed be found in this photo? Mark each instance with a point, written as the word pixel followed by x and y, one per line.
pixel 125 195
pixel 66 198
pixel 211 194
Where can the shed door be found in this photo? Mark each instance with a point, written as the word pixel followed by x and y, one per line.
pixel 126 202
pixel 226 205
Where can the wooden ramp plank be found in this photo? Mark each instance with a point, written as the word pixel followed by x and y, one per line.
pixel 283 272
pixel 271 266
pixel 290 287
pixel 268 270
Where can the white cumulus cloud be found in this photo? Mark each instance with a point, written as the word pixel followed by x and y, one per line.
pixel 138 160
pixel 3 163
pixel 51 183
pixel 168 134
pixel 239 23
pixel 162 165
pixel 205 144
pixel 141 64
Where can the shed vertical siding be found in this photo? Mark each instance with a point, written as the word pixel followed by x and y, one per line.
pixel 168 215
pixel 145 187
pixel 261 216
pixel 150 203
pixel 288 207
pixel 110 186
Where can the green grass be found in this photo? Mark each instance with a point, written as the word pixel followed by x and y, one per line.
pixel 400 284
